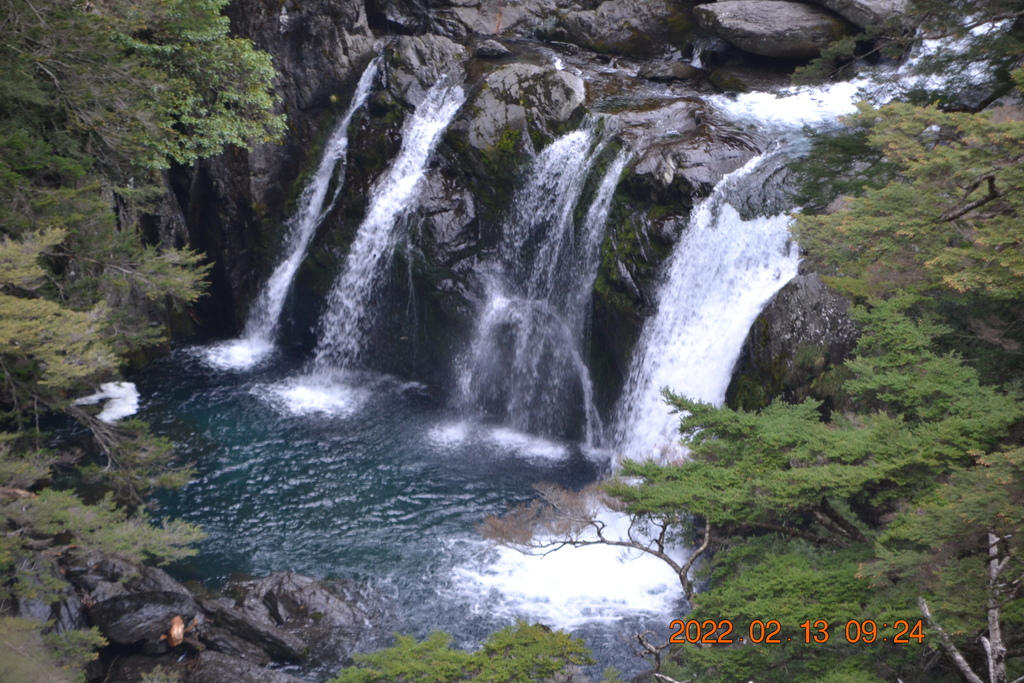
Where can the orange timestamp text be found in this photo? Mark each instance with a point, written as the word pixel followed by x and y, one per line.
pixel 724 632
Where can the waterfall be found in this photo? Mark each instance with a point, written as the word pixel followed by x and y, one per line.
pixel 260 330
pixel 720 275
pixel 349 313
pixel 525 367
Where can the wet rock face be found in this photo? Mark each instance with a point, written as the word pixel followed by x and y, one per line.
pixel 773 28
pixel 232 206
pixel 802 334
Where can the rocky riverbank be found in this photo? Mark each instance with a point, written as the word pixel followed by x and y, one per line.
pixel 249 632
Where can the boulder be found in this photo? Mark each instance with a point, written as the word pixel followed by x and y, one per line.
pixel 272 640
pixel 204 667
pixel 141 617
pixel 491 49
pixel 866 13
pixel 681 152
pixel 416 63
pixel 45 603
pixel 627 27
pixel 331 618
pixel 216 667
pixel 154 579
pixel 290 598
pixel 518 96
pixel 773 28
pixel 222 640
pixel 802 332
pixel 135 668
pixel 512 17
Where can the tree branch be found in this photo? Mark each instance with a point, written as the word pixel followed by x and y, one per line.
pixel 846 527
pixel 993 194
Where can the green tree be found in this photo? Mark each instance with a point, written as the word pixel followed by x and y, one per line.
pixel 515 654
pixel 949 217
pixel 97 100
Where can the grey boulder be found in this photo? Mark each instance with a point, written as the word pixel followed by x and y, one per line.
pixel 867 12
pixel 141 617
pixel 520 93
pixel 773 28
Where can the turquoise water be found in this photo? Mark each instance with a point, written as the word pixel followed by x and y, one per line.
pixel 373 479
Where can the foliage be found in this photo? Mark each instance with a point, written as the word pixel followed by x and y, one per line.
pixel 161 675
pixel 97 99
pixel 74 649
pixel 147 83
pixel 978 44
pixel 59 521
pixel 948 220
pixel 515 654
pixel 23 656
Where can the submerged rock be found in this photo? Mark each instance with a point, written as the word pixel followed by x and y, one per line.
pixel 773 28
pixel 671 71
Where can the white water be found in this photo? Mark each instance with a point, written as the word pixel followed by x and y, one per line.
pixel 525 366
pixel 590 245
pixel 122 400
pixel 573 586
pixel 349 313
pixel 720 275
pixel 258 338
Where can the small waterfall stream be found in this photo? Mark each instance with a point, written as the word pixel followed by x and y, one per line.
pixel 260 332
pixel 525 367
pixel 720 275
pixel 349 312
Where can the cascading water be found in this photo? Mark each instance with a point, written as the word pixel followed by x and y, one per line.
pixel 349 313
pixel 720 275
pixel 525 368
pixel 261 326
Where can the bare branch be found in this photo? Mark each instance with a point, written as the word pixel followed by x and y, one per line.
pixel 684 571
pixel 948 646
pixel 663 677
pixel 654 650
